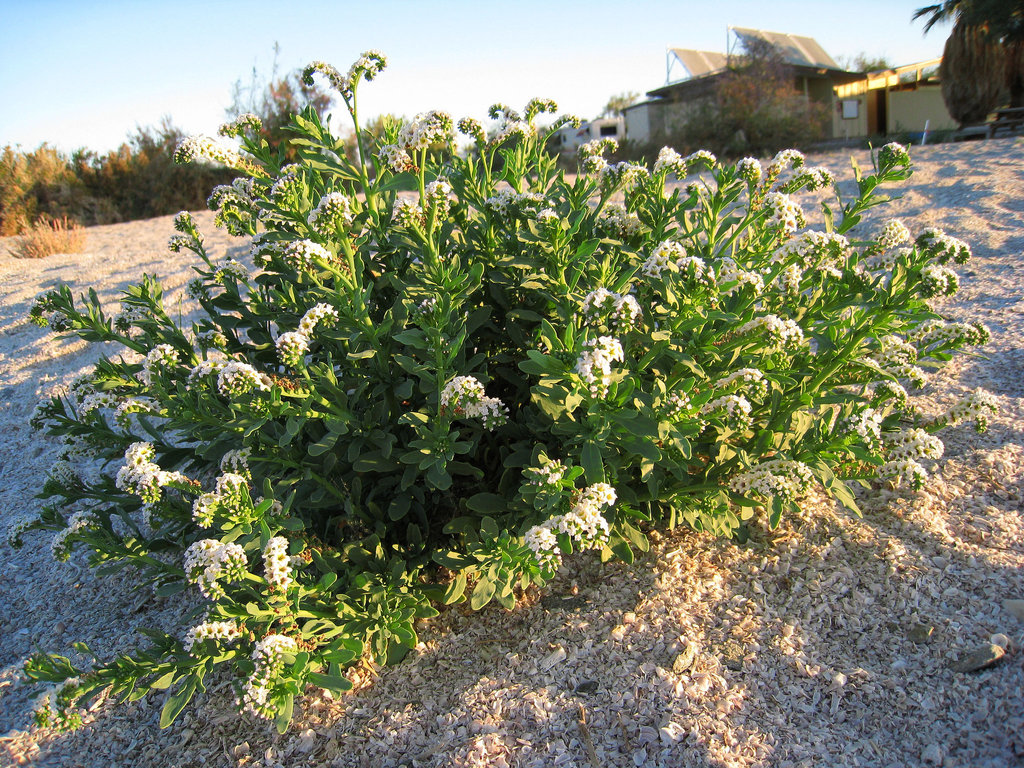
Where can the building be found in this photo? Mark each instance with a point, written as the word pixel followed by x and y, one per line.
pixel 862 104
pixel 567 138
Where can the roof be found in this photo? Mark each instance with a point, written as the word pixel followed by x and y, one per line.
pixel 700 63
pixel 801 51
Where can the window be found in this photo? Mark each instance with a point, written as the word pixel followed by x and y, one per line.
pixel 851 109
pixel 609 130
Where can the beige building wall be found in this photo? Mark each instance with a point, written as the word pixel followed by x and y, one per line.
pixel 850 127
pixel 908 110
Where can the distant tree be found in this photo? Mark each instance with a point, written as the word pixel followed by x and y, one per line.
pixel 864 62
pixel 616 106
pixel 275 100
pixel 997 31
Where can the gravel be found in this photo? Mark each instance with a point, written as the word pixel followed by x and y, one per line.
pixel 830 641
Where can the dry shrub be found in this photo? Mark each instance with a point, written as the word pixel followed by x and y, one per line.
pixel 46 238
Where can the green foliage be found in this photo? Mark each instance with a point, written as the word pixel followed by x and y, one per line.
pixel 138 180
pixel 432 398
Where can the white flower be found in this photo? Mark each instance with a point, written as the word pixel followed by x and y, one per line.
pixel 333 212
pixel 209 562
pixel 594 363
pixel 158 360
pixel 781 334
pixel 236 378
pixel 268 663
pixel 776 477
pixel 276 565
pixel 464 396
pixel 292 347
pixel 220 631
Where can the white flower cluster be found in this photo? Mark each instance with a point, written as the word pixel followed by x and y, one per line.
pixel 508 203
pixel 787 158
pixel 904 470
pixel 196 148
pixel 300 254
pixel 890 392
pixel 594 364
pixel 615 220
pixel 233 269
pixel 425 130
pixel 158 360
pixel 894 233
pixel 469 126
pixel 368 66
pixel 235 378
pixel 408 213
pixel 813 179
pixel 464 396
pixel 625 174
pixel 749 169
pixel 776 477
pixel 291 348
pixel 824 251
pixel 178 241
pixel 333 212
pixel 893 154
pixel 211 338
pixel 592 152
pixel 670 161
pixel 143 478
pixel 943 247
pixel 781 334
pixel 676 404
pixel 750 379
pixel 666 253
pixel 914 443
pixel 785 212
pixel 204 368
pixel 734 276
pixel 937 334
pixel 78 522
pixel 319 313
pixel 228 496
pixel 584 524
pixel 735 407
pixel 277 569
pixel 17 529
pixel 939 280
pixel 219 631
pixel 976 406
pixel 268 660
pixel 549 473
pixel 237 461
pixel 623 311
pixel 209 562
pixel 867 425
pixel 129 405
pixel 246 122
pixel 437 198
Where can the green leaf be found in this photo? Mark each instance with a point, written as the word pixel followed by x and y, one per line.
pixel 482 593
pixel 455 591
pixel 284 713
pixel 332 683
pixel 489 529
pixel 177 700
pixel 590 459
pixel 487 503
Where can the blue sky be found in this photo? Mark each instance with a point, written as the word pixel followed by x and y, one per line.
pixel 78 73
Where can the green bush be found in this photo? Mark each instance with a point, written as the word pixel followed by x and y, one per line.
pixel 139 180
pixel 432 398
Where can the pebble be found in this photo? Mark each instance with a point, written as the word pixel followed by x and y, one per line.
pixel 979 658
pixel 684 660
pixel 557 656
pixel 1001 640
pixel 921 633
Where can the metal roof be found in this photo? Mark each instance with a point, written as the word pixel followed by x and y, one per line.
pixel 700 63
pixel 801 51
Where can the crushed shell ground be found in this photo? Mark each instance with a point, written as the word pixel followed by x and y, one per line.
pixel 827 642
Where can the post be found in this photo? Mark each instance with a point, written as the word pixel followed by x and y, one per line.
pixel 924 136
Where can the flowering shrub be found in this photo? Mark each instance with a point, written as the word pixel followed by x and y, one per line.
pixel 428 398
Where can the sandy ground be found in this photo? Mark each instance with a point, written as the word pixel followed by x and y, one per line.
pixel 804 647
